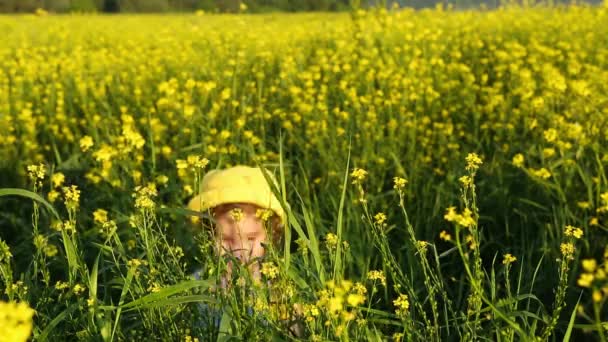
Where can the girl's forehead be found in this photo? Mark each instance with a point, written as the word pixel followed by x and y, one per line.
pixel 243 229
pixel 222 208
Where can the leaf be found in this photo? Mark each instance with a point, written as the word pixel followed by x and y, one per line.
pixel 340 223
pixel 30 195
pixel 173 301
pixel 47 330
pixel 125 289
pixel 165 292
pixel 572 319
pixel 70 252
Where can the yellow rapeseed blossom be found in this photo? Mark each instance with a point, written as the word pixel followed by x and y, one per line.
pixel 380 219
pixel 36 173
pixel 358 176
pixel 508 259
pixel 465 219
pixel 236 214
pixel 473 161
pixel 518 160
pixel 269 270
pixel 52 196
pixel 264 214
pixel 567 249
pixel 331 240
pixel 377 275
pixel 445 236
pixel 402 305
pixel 466 181
pixel 57 179
pixel 574 232
pixel 100 216
pixel 144 196
pixel 541 173
pixel 399 183
pixel 589 265
pixel 16 320
pixel 78 289
pixel 585 280
pixel 86 143
pixel 71 196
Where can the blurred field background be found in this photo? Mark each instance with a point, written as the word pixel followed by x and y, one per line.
pixel 230 6
pixel 444 169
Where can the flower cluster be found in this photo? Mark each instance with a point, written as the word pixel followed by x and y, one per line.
pixel 465 219
pixel 16 321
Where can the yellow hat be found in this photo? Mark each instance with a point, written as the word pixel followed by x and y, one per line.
pixel 238 184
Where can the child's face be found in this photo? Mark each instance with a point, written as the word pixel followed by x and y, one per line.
pixel 241 234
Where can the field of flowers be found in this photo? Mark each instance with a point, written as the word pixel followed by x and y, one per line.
pixel 443 173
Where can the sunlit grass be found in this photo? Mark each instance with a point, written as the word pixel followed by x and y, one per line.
pixel 443 173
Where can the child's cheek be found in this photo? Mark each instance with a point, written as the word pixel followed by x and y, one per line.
pixel 258 249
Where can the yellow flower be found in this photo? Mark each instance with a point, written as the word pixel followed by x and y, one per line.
pixel 589 265
pixel 451 214
pixel 572 231
pixel 135 263
pixel 264 214
pixel 422 245
pixel 91 301
pixel 597 296
pixel 359 289
pixel 550 134
pixel 355 299
pixel 100 216
pixel 236 214
pixel 548 152
pixel 331 240
pixel 181 164
pixel 16 321
pixel 445 236
pixel 541 173
pixel 52 196
pixel 377 275
pixel 86 143
pixel 399 183
pixel 358 176
pixel 50 250
pixel 585 280
pixel 473 161
pixel 584 204
pixel 466 181
pixel 518 160
pixel 508 259
pixel 335 304
pixel 380 219
pixel 36 172
pixel 567 249
pixel 197 162
pixel 270 270
pixel 78 289
pixel 144 196
pixel 57 179
pixel 465 219
pixel 60 285
pixel 72 197
pixel 402 305
pixel 162 179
